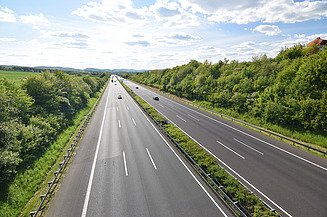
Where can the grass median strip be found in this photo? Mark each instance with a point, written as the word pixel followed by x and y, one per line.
pixel 252 205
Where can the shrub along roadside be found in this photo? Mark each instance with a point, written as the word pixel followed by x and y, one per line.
pixel 286 94
pixel 32 174
pixel 32 115
pixel 314 140
pixel 252 204
pixel 28 182
pixel 68 139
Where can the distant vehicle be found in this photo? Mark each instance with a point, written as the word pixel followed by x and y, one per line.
pixel 112 80
pixel 119 96
pixel 156 98
pixel 115 84
pixel 136 87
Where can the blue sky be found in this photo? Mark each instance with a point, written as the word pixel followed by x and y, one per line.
pixel 152 34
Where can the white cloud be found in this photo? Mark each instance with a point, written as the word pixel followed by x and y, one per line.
pixel 81 50
pixel 173 14
pixel 165 33
pixel 62 39
pixel 207 48
pixel 248 49
pixel 210 53
pixel 177 39
pixel 296 39
pixel 7 39
pixel 184 37
pixel 269 30
pixel 118 12
pixel 243 12
pixel 7 15
pixel 36 20
pixel 122 13
pixel 139 43
pixel 244 47
pixel 212 6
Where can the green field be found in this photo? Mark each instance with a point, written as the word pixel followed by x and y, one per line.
pixel 15 76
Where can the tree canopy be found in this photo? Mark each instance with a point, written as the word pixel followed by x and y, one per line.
pixel 289 90
pixel 35 111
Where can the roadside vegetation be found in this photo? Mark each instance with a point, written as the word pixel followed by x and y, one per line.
pixel 38 115
pixel 286 94
pixel 251 203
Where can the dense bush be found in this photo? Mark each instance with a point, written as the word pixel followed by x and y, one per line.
pixel 34 112
pixel 289 90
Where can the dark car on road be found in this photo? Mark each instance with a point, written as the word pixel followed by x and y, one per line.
pixel 156 98
pixel 119 96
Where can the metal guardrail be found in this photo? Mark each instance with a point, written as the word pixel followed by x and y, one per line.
pixel 213 183
pixel 63 164
pixel 253 126
pixel 259 128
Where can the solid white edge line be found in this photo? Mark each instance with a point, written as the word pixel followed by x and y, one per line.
pixel 119 125
pixel 248 146
pixel 231 150
pixel 199 183
pixel 222 162
pixel 154 165
pixel 117 108
pixel 181 118
pixel 125 164
pixel 294 155
pixel 133 121
pixel 89 186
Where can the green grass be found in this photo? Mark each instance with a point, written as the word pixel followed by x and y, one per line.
pixel 313 139
pixel 16 76
pixel 208 163
pixel 32 180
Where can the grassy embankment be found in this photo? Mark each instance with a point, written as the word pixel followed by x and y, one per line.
pixel 286 94
pixel 238 192
pixel 318 140
pixel 16 76
pixel 22 193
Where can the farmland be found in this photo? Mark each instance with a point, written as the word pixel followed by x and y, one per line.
pixel 15 76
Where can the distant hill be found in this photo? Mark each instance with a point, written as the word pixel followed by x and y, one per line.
pixel 67 69
pixel 118 71
pixel 58 68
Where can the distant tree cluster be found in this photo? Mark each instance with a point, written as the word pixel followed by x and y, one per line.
pixel 97 72
pixel 33 113
pixel 289 90
pixel 20 68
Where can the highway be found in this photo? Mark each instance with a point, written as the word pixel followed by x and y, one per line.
pixel 290 180
pixel 124 167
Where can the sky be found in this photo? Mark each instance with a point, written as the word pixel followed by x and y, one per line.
pixel 152 34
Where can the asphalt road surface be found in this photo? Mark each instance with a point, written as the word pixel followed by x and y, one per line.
pixel 124 167
pixel 288 179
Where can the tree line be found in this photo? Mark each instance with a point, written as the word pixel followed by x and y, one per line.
pixel 34 112
pixel 289 90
